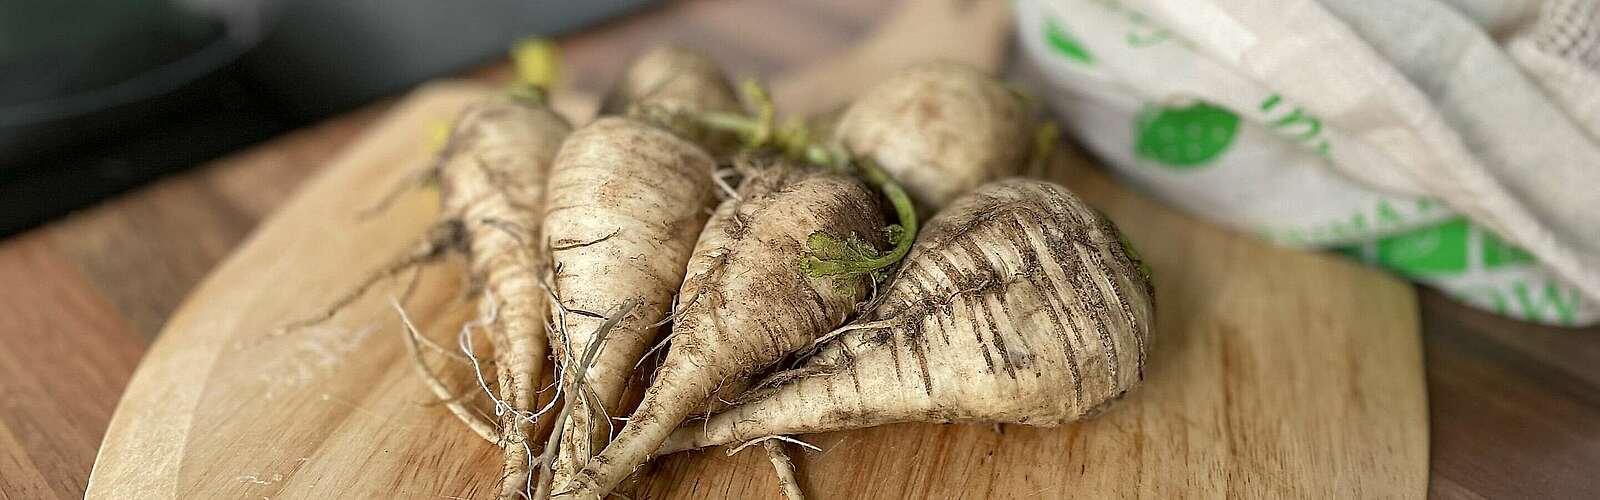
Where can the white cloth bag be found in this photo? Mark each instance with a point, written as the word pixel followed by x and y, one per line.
pixel 1454 142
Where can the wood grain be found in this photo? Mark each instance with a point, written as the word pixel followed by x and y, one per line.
pixel 64 358
pixel 1515 406
pixel 1486 375
pixel 1275 373
pixel 227 406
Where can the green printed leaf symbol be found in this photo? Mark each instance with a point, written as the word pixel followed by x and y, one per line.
pixel 1065 44
pixel 1497 253
pixel 1558 305
pixel 1186 137
pixel 1434 250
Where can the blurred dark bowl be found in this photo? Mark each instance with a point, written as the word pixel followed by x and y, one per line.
pixel 97 96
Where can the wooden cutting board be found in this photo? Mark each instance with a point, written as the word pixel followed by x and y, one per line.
pixel 1273 373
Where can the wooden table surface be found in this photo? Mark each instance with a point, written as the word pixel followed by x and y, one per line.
pixel 1515 408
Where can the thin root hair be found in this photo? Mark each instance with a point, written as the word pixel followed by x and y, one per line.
pixel 727 190
pixel 735 450
pixel 673 316
pixel 478 425
pixel 405 297
pixel 441 238
pixel 590 353
pixel 464 341
pixel 415 180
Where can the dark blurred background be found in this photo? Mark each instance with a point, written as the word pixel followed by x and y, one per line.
pixel 99 96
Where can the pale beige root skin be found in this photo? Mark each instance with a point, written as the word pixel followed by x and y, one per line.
pixel 492 179
pixel 940 129
pixel 1017 305
pixel 667 86
pixel 746 303
pixel 784 468
pixel 626 202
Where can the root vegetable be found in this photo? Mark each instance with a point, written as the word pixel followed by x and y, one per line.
pixel 626 202
pixel 668 86
pixel 940 129
pixel 491 176
pixel 747 302
pixel 575 387
pixel 1019 304
pixel 830 256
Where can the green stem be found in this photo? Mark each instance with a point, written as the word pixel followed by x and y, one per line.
pixel 1044 148
pixel 903 209
pixel 533 95
pixel 853 257
pixel 819 155
pixel 858 264
pixel 536 62
pixel 752 130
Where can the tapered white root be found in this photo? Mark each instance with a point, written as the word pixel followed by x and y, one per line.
pixel 624 203
pixel 552 446
pixel 784 467
pixel 648 180
pixel 492 179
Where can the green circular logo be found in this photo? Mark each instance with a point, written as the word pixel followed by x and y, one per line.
pixel 1185 137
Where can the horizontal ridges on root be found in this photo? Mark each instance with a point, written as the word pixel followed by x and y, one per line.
pixel 1017 293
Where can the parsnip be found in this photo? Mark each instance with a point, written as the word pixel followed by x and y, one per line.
pixel 670 86
pixel 492 174
pixel 747 302
pixel 1019 304
pixel 940 129
pixel 626 203
pixel 628 197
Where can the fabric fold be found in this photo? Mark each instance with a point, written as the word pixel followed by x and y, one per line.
pixel 1400 133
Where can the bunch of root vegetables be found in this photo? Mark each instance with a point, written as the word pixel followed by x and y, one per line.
pixel 776 277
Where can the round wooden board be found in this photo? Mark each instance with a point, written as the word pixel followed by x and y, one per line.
pixel 1274 373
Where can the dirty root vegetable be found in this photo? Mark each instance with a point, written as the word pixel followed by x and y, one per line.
pixel 491 173
pixel 668 86
pixel 626 203
pixel 940 129
pixel 1019 304
pixel 491 176
pixel 746 304
pixel 627 199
